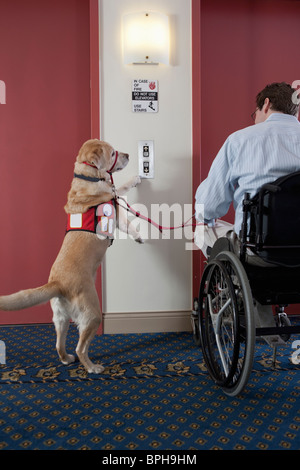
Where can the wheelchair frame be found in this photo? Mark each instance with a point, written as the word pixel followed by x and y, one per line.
pixel 223 320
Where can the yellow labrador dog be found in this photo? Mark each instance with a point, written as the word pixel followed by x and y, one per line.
pixel 71 286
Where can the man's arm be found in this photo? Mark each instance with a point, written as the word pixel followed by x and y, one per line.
pixel 216 191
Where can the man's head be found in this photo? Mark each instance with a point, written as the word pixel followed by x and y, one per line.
pixel 275 98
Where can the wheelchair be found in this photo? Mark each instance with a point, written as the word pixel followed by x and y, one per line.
pixel 225 320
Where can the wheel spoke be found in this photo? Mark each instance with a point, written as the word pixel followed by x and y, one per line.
pixel 216 318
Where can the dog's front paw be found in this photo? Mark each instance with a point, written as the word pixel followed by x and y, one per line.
pixel 135 181
pixel 139 240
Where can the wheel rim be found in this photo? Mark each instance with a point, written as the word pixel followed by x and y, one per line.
pixel 220 329
pixel 242 359
pixel 246 322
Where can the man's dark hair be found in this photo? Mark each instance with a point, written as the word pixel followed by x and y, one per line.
pixel 280 96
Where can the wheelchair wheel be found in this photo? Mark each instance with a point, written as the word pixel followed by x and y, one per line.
pixel 226 322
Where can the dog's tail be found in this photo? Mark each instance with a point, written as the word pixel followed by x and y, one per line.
pixel 30 297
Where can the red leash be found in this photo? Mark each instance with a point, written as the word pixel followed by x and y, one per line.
pixel 138 214
pixel 150 221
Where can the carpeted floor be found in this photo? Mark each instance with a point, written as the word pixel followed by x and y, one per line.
pixel 154 394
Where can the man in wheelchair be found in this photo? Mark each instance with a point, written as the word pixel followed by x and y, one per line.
pixel 258 170
pixel 250 158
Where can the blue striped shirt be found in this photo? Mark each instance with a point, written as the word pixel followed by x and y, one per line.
pixel 248 159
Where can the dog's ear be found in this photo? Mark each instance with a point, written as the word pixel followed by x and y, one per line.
pixel 93 152
pixel 96 157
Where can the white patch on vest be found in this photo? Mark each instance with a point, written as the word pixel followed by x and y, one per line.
pixel 75 220
pixel 106 215
pixel 104 224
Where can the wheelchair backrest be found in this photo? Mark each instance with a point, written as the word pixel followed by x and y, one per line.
pixel 275 221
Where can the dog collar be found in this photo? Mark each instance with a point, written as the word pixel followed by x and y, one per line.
pixel 96 180
pixel 88 178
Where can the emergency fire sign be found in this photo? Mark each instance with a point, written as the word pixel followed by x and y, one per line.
pixel 144 96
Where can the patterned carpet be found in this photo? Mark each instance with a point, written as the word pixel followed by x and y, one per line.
pixel 154 394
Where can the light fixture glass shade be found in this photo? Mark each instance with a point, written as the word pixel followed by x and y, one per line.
pixel 146 38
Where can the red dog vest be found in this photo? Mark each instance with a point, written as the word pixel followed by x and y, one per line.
pixel 100 220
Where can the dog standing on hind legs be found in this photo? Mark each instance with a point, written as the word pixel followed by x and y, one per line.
pixel 71 286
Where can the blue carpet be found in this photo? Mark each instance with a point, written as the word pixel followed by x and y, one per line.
pixel 154 394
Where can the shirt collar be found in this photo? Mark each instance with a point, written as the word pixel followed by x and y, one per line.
pixel 282 117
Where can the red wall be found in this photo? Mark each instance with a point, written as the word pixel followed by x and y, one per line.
pixel 239 46
pixel 244 46
pixel 45 64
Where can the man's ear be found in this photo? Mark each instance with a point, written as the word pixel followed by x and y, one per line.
pixel 267 105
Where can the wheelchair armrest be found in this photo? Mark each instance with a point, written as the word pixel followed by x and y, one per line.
pixel 244 228
pixel 270 187
pixel 247 204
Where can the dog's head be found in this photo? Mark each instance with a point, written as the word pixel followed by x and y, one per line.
pixel 102 155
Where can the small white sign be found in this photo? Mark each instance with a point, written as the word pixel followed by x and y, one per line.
pixel 144 96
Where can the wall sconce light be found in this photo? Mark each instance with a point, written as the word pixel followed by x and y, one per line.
pixel 146 38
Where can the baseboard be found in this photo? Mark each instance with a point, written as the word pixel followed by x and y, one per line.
pixel 146 322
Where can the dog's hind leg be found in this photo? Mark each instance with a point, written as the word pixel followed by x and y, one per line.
pixel 88 324
pixel 61 322
pixel 85 339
